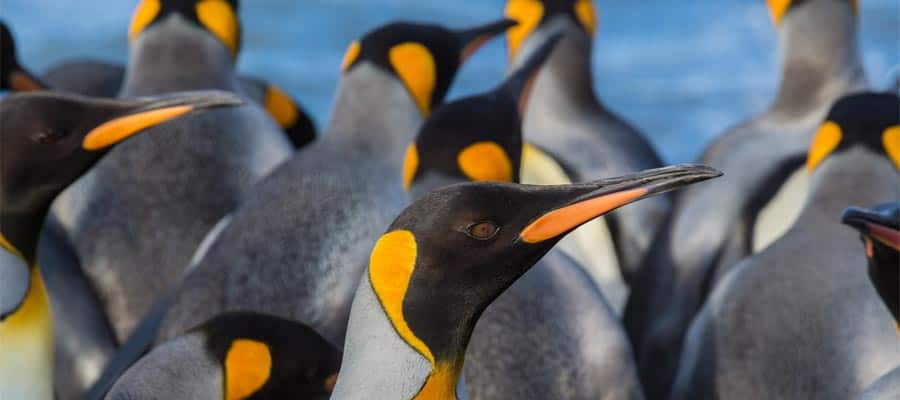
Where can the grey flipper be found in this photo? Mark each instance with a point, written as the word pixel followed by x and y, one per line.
pixel 800 319
pixel 756 156
pixel 177 182
pixel 576 346
pixel 86 77
pixel 84 341
pixel 885 388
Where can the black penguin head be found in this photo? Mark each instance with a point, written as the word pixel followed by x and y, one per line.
pixel 879 228
pixel 779 9
pixel 478 138
pixel 51 139
pixel 532 14
pixel 868 120
pixel 218 17
pixel 12 75
pixel 424 57
pixel 266 357
pixel 454 250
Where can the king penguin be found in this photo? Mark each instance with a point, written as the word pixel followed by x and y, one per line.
pixel 799 320
pixel 82 336
pixel 446 257
pixel 49 141
pixel 96 78
pixel 136 219
pixel 880 231
pixel 568 121
pixel 335 195
pixel 555 310
pixel 234 356
pixel 711 227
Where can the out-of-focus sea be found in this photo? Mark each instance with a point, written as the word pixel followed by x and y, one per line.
pixel 682 71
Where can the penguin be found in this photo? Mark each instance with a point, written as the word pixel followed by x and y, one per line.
pixel 879 228
pixel 236 355
pixel 820 63
pixel 446 257
pixel 13 77
pixel 336 194
pixel 134 243
pixel 554 309
pixel 799 319
pixel 49 141
pixel 97 78
pixel 568 121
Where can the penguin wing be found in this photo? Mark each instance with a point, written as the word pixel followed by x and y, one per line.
pixel 15 278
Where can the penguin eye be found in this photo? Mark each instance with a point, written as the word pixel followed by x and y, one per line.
pixel 484 230
pixel 49 136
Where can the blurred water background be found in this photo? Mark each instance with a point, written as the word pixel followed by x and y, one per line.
pixel 682 71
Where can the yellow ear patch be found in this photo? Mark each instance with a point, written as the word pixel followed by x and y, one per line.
pixel 351 55
pixel 144 14
pixel 391 266
pixel 485 161
pixel 281 107
pixel 219 18
pixel 410 165
pixel 247 368
pixel 826 140
pixel 121 128
pixel 777 8
pixel 891 141
pixel 528 13
pixel 587 16
pixel 416 68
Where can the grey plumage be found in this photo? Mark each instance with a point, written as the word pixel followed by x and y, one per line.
pixel 298 244
pixel 551 335
pixel 885 388
pixel 800 319
pixel 137 217
pixel 566 118
pixel 711 228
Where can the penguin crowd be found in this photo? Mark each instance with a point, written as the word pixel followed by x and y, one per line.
pixel 171 228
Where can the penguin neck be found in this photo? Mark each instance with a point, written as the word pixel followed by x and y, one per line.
pixel 21 219
pixel 818 64
pixel 566 81
pixel 175 55
pixel 853 177
pixel 374 112
pixel 379 363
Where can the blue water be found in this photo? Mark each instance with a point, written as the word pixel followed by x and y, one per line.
pixel 682 71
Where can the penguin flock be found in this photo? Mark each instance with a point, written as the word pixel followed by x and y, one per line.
pixel 171 228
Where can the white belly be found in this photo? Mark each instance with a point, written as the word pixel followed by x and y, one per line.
pixel 591 245
pixel 26 347
pixel 780 213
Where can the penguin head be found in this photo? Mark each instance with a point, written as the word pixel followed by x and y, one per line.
pixel 423 57
pixel 478 138
pixel 548 17
pixel 879 228
pixel 457 248
pixel 236 355
pixel 870 121
pixel 51 139
pixel 12 76
pixel 270 357
pixel 781 9
pixel 217 17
